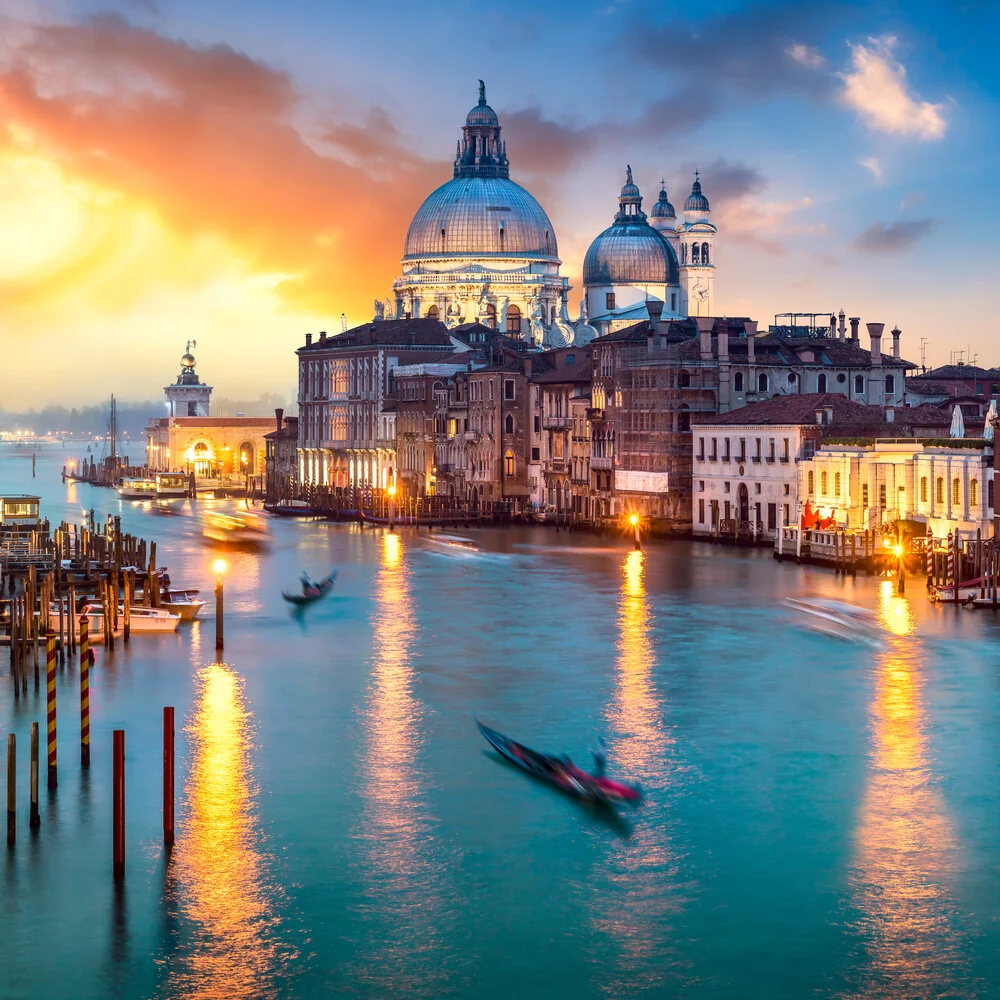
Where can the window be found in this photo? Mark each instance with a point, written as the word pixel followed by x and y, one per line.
pixel 508 463
pixel 923 489
pixel 491 390
pixel 939 490
pixel 508 388
pixel 684 380
pixel 513 319
pixel 836 484
pixel 609 300
pixel 989 492
pixel 890 384
pixel 701 485
pixel 810 482
pixel 738 382
pixel 955 490
pixel 508 424
pixel 756 487
pixel 743 449
pixel 534 455
pixel 704 253
pixel 762 382
pixel 821 383
pixel 973 492
pixel 537 425
pixel 683 420
pixel 881 496
pixel 570 359
pixel 432 313
pixel 701 511
pixel 784 456
pixel 756 453
pixel 725 489
pixel 791 378
pixel 785 513
pixel 864 494
pixel 701 449
pixel 770 449
pixel 788 489
pixel 673 302
pixel 725 449
pixel 859 385
pixel 772 516
pixel 979 388
pixel 822 483
pixel 695 255
pixel 715 453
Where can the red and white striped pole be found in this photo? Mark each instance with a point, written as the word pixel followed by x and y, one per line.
pixel 950 563
pixel 84 691
pixel 50 679
pixel 929 556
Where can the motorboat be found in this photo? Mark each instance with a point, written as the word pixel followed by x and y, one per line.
pixel 137 488
pixel 243 530
pixel 561 772
pixel 290 508
pixel 171 484
pixel 141 619
pixel 184 603
pixel 838 619
pixel 454 542
pixel 311 592
pixel 967 591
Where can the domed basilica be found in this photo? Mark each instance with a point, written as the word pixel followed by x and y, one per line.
pixel 481 248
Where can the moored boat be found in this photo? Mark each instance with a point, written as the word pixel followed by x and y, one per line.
pixel 184 603
pixel 137 488
pixel 290 508
pixel 171 484
pixel 141 619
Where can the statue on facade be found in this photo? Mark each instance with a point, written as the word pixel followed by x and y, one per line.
pixel 343 322
pixel 379 310
pixel 389 311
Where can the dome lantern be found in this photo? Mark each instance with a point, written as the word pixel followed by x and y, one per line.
pixel 663 211
pixel 481 152
pixel 696 201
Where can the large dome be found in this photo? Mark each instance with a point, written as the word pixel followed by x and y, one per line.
pixel 630 253
pixel 481 216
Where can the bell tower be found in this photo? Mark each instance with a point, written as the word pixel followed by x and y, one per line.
pixel 188 396
pixel 696 235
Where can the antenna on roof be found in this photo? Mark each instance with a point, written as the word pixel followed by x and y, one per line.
pixel 923 354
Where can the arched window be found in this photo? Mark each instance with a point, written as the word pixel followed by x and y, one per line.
pixel 939 490
pixel 694 254
pixel 738 382
pixel 973 492
pixel 684 253
pixel 491 316
pixel 432 312
pixel 684 380
pixel 508 424
pixel 704 253
pixel 821 383
pixel 245 458
pixel 923 489
pixel 955 488
pixel 836 484
pixel 683 419
pixel 513 319
pixel 822 484
pixel 762 384
pixel 859 385
pixel 890 383
pixel 811 480
pixel 508 463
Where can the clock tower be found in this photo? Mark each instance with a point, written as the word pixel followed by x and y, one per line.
pixel 696 236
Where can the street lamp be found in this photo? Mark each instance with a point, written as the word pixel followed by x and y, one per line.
pixel 634 521
pixel 220 567
pixel 392 503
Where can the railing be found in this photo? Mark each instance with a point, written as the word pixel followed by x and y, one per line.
pixel 602 461
pixel 555 422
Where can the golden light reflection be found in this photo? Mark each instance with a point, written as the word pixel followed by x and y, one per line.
pixel 221 872
pixel 635 906
pixel 901 879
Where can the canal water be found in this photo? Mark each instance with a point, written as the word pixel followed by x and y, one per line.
pixel 821 814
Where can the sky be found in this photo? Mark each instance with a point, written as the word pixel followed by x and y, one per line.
pixel 242 174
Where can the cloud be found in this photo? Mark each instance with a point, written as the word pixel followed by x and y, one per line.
pixel 876 89
pixel 911 200
pixel 541 148
pixel 871 164
pixel 805 55
pixel 880 238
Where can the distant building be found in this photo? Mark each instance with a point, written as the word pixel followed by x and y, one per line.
pixel 281 458
pixel 188 396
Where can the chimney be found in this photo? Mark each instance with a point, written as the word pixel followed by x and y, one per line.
pixel 750 325
pixel 875 332
pixel 705 324
pixel 855 320
pixel 322 336
pixel 896 332
pixel 723 340
pixel 841 330
pixel 819 418
pixel 890 414
pixel 527 365
pixel 309 339
pixel 278 414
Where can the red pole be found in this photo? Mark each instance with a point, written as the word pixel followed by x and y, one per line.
pixel 85 691
pixel 118 803
pixel 168 776
pixel 50 680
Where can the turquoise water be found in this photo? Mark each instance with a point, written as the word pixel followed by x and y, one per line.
pixel 821 815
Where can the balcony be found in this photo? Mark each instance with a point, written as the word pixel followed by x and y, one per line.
pixel 471 435
pixel 551 423
pixel 602 461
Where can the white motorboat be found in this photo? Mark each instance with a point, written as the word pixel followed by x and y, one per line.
pixel 140 619
pixel 838 619
pixel 137 488
pixel 456 542
pixel 171 484
pixel 184 603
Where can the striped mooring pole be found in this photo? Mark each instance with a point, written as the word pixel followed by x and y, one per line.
pixel 84 691
pixel 50 678
pixel 950 570
pixel 929 555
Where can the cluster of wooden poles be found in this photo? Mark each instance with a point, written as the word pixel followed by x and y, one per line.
pixel 977 562
pixel 87 660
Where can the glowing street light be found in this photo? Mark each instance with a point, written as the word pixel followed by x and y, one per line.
pixel 220 567
pixel 634 521
pixel 392 503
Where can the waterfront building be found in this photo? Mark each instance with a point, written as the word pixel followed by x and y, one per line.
pixel 347 397
pixel 192 441
pixel 281 458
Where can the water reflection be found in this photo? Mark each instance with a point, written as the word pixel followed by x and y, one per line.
pixel 220 875
pixel 906 849
pixel 404 883
pixel 637 901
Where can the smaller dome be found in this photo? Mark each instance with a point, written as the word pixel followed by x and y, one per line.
pixel 696 201
pixel 629 189
pixel 630 253
pixel 663 209
pixel 482 115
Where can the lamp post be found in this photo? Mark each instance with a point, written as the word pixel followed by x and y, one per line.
pixel 392 504
pixel 634 521
pixel 220 567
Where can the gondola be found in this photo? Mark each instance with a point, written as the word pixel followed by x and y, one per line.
pixel 321 589
pixel 561 772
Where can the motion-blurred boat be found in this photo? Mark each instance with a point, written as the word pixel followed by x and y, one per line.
pixel 137 488
pixel 454 542
pixel 561 772
pixel 313 592
pixel 838 619
pixel 246 531
pixel 171 484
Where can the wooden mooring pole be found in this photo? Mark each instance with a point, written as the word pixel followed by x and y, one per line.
pixel 118 803
pixel 11 788
pixel 34 821
pixel 168 776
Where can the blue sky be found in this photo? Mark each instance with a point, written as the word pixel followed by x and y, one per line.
pixel 848 151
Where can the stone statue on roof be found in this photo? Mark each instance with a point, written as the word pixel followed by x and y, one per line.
pixel 482 92
pixel 379 310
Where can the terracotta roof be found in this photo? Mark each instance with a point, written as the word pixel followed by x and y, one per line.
pixel 957 371
pixel 390 333
pixel 571 374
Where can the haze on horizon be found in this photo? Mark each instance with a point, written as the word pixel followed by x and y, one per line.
pixel 173 170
